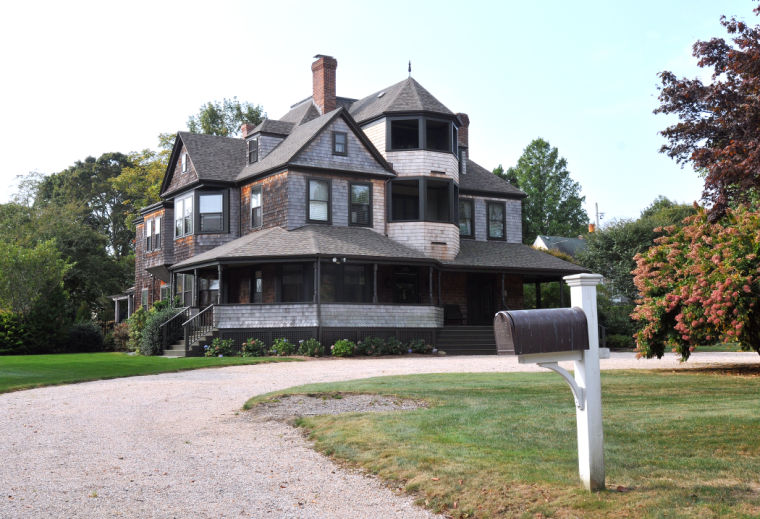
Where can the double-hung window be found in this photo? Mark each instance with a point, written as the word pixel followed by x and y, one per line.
pixel 340 144
pixel 466 229
pixel 183 216
pixel 148 235
pixel 360 211
pixel 496 220
pixel 256 220
pixel 319 201
pixel 211 211
pixel 156 233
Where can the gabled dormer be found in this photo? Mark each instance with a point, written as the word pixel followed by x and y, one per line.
pixel 262 139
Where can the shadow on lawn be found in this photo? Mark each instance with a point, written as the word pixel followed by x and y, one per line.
pixel 736 370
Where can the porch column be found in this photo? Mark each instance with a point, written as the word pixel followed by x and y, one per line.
pixel 195 292
pixel 561 294
pixel 171 289
pixel 130 305
pixel 221 296
pixel 430 284
pixel 439 287
pixel 116 311
pixel 316 281
pixel 538 294
pixel 374 282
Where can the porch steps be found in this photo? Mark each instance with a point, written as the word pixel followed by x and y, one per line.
pixel 466 340
pixel 176 350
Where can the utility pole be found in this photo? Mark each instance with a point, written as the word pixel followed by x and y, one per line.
pixel 599 216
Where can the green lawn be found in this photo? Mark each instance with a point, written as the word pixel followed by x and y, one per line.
pixel 677 444
pixel 28 371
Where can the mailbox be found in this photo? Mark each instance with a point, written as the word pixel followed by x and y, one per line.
pixel 528 332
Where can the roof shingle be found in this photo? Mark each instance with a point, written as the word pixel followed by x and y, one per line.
pixel 479 180
pixel 404 96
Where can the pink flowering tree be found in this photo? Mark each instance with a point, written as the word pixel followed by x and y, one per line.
pixel 700 284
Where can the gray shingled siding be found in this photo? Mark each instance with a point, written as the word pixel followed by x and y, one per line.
pixel 296 200
pixel 480 219
pixel 319 153
pixel 266 144
pixel 339 202
pixel 333 315
pixel 514 219
pixel 234 216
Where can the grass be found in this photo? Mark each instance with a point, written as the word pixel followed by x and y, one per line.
pixel 677 444
pixel 28 371
pixel 721 347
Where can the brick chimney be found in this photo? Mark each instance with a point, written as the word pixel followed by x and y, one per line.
pixel 323 73
pixel 464 137
pixel 246 129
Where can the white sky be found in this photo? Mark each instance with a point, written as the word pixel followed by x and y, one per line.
pixel 84 78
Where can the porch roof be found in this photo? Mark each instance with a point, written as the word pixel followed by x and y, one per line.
pixel 307 241
pixel 514 257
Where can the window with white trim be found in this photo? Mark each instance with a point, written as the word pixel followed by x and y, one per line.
pixel 183 216
pixel 256 216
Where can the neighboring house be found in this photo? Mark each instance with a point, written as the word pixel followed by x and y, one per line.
pixel 569 246
pixel 343 218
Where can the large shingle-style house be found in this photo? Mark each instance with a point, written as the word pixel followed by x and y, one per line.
pixel 342 218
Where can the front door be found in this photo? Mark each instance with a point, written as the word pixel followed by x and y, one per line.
pixel 481 299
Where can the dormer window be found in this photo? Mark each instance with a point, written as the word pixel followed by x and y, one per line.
pixel 253 151
pixel 184 163
pixel 340 143
pixel 421 133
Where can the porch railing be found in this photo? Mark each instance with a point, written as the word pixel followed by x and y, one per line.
pixel 171 330
pixel 199 325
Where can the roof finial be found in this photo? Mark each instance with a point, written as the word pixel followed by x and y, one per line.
pixel 410 68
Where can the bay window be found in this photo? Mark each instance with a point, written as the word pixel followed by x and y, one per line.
pixel 416 132
pixel 423 198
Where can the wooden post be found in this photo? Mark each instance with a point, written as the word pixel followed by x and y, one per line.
pixel 440 303
pixel 319 300
pixel 430 285
pixel 374 283
pixel 589 418
pixel 220 295
pixel 116 311
pixel 195 291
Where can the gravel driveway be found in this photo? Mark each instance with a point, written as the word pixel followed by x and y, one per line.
pixel 174 445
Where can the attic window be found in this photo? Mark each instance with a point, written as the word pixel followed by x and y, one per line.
pixel 184 163
pixel 339 143
pixel 253 151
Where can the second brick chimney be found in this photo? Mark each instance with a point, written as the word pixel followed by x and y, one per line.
pixel 323 73
pixel 464 138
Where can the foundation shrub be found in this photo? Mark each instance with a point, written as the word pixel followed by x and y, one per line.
pixel 281 346
pixel 311 348
pixel 392 346
pixel 219 348
pixel 419 346
pixel 370 346
pixel 253 348
pixel 343 348
pixel 150 335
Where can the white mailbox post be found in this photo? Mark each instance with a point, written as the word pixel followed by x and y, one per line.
pixel 547 337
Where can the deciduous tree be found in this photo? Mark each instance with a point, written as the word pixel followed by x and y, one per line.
pixel 700 284
pixel 224 117
pixel 719 121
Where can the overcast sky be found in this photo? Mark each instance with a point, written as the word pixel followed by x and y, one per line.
pixel 84 78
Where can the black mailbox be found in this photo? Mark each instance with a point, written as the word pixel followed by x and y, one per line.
pixel 522 332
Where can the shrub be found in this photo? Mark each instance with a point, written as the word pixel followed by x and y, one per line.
pixel 121 336
pixel 343 348
pixel 370 346
pixel 281 346
pixel 84 337
pixel 12 334
pixel 150 336
pixel 253 348
pixel 136 323
pixel 419 346
pixel 311 347
pixel 392 346
pixel 218 348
